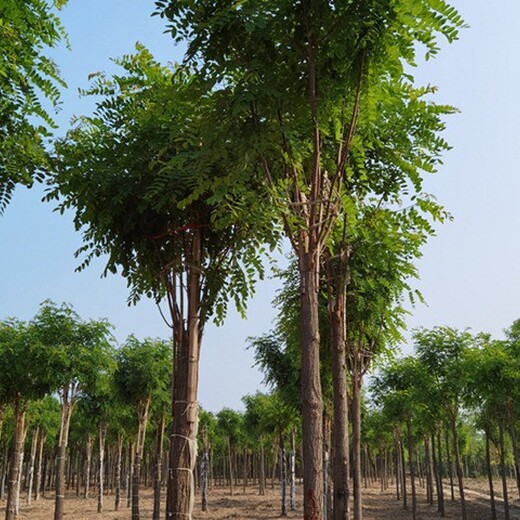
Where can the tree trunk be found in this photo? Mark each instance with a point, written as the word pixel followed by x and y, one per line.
pixel 34 445
pixel 516 456
pixel 142 416
pixel 356 443
pixel 159 440
pixel 88 462
pixel 312 401
pixel 403 472
pixel 38 483
pixel 438 473
pixel 490 476
pixel 292 468
pixel 183 444
pixel 118 471
pixel 101 466
pixel 130 473
pixel 503 471
pixel 283 475
pixel 458 466
pixel 13 486
pixel 261 480
pixel 412 467
pixel 337 320
pixel 66 413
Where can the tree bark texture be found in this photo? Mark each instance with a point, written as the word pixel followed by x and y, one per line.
pixel 66 414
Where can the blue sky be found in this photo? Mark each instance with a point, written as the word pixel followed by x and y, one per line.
pixel 470 273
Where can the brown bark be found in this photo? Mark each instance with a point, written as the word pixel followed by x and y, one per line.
pixel 337 320
pixel 118 471
pixel 34 445
pixel 356 444
pixel 13 487
pixel 411 465
pixel 490 476
pixel 157 469
pixel 38 483
pixel 183 441
pixel 142 417
pixel 312 400
pixel 66 414
pixel 458 466
pixel 101 467
pixel 503 472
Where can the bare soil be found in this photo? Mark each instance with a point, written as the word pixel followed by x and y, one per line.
pixel 378 505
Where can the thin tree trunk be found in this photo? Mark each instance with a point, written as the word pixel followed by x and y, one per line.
pixel 66 413
pixel 490 476
pixel 101 466
pixel 356 443
pixel 38 483
pixel 503 471
pixel 261 480
pixel 118 471
pixel 449 464
pixel 292 468
pixel 130 474
pixel 337 320
pixel 13 486
pixel 88 462
pixel 412 468
pixel 283 475
pixel 34 445
pixel 142 416
pixel 458 466
pixel 403 472
pixel 159 440
pixel 516 456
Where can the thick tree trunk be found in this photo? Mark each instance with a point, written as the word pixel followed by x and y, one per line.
pixel 183 444
pixel 312 400
pixel 159 440
pixel 66 413
pixel 337 320
pixel 101 467
pixel 13 487
pixel 34 445
pixel 490 476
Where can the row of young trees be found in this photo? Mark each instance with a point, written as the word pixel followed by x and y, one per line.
pixel 58 357
pixel 296 119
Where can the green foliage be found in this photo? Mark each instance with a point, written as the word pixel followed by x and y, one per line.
pixel 143 369
pixel 27 75
pixel 78 353
pixel 147 169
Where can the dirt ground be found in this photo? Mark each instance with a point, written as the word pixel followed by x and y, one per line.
pixel 250 506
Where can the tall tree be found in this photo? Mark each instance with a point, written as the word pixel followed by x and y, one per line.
pixel 294 76
pixel 156 188
pixel 28 30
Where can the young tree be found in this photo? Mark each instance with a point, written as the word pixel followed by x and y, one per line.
pixel 143 370
pixel 27 74
pixel 78 354
pixel 294 76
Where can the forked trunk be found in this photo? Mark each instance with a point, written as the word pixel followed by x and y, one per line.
pixel 183 443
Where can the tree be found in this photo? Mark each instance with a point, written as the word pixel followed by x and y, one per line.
pixel 294 76
pixel 23 378
pixel 156 189
pixel 78 353
pixel 143 370
pixel 28 29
